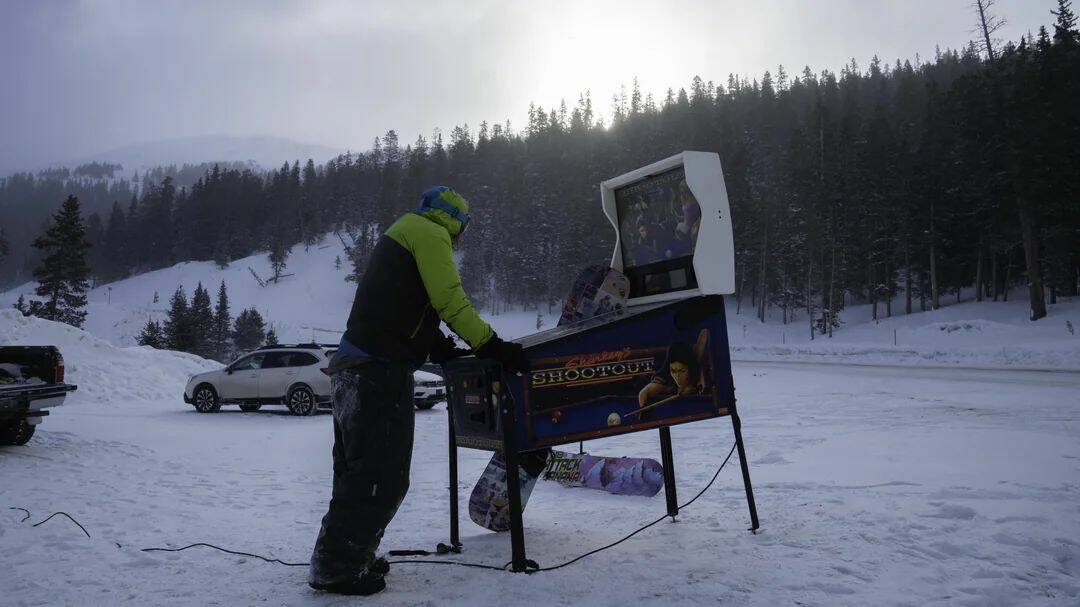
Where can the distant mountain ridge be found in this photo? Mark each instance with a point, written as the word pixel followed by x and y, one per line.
pixel 265 151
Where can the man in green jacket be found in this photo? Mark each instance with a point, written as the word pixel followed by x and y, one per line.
pixel 410 285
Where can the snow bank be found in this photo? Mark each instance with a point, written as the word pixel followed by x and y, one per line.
pixel 106 373
pixel 1059 358
pixel 973 334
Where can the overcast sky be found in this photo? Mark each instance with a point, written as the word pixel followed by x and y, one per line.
pixel 83 77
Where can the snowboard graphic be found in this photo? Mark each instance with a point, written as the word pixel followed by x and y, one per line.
pixel 618 475
pixel 489 503
pixel 597 290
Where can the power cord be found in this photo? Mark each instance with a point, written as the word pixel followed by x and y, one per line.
pixel 533 568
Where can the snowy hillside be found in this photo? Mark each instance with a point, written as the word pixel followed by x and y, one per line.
pixel 314 302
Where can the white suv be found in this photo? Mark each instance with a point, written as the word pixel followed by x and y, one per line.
pixel 428 389
pixel 294 376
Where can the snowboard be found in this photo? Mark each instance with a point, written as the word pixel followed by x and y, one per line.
pixel 618 475
pixel 489 503
pixel 597 290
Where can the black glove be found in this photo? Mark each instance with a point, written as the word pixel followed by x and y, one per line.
pixel 445 349
pixel 510 355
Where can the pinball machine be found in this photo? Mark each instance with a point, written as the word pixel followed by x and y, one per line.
pixel 660 360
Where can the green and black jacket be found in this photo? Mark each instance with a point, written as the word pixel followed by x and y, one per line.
pixel 412 283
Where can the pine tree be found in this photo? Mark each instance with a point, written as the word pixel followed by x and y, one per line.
pixel 5 249
pixel 250 330
pixel 151 335
pixel 220 333
pixel 116 245
pixel 279 251
pixel 177 330
pixel 1065 26
pixel 202 323
pixel 271 337
pixel 62 275
pixel 95 235
pixel 21 306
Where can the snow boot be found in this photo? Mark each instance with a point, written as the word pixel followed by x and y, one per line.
pixel 364 583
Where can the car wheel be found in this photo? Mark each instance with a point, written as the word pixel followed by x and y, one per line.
pixel 301 401
pixel 205 399
pixel 17 432
pixel 424 405
pixel 250 408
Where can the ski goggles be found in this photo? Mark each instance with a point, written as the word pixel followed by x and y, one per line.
pixel 449 209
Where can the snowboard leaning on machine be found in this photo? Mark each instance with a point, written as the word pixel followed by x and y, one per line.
pixel 489 503
pixel 597 290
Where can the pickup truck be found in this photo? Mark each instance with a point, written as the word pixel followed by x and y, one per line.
pixel 31 381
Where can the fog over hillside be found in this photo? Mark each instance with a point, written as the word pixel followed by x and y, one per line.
pixel 266 152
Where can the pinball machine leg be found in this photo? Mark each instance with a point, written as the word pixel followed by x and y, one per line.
pixel 669 472
pixel 736 424
pixel 513 483
pixel 517 526
pixel 455 539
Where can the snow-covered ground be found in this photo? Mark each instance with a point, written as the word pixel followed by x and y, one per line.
pixel 313 304
pixel 908 486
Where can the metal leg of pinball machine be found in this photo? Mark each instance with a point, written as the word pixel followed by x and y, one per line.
pixel 455 539
pixel 513 482
pixel 736 424
pixel 668 461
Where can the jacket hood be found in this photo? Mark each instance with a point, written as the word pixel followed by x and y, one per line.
pixel 444 219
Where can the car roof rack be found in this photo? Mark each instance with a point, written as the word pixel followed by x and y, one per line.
pixel 307 346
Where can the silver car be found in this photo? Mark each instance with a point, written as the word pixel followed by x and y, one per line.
pixel 294 376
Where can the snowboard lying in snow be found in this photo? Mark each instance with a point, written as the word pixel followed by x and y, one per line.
pixel 489 504
pixel 618 475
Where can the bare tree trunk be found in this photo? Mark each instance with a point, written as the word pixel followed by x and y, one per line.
pixel 888 291
pixel 907 279
pixel 810 295
pixel 935 303
pixel 994 274
pixel 783 290
pixel 979 272
pixel 1004 287
pixel 988 24
pixel 764 255
pixel 1031 257
pixel 832 287
pixel 873 289
pixel 742 286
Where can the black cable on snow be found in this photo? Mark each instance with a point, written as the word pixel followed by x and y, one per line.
pixel 533 568
pixel 69 517
pixel 24 510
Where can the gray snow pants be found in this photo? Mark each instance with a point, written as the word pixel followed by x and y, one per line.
pixel 373 439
